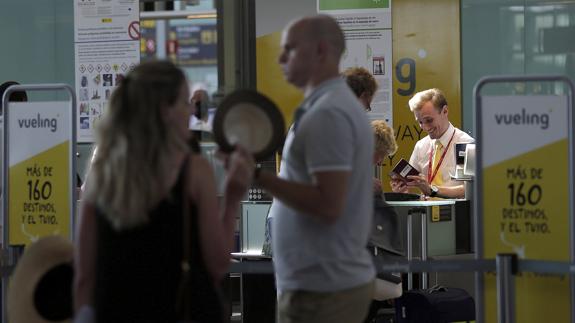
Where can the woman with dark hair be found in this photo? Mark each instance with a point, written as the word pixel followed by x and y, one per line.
pixel 362 83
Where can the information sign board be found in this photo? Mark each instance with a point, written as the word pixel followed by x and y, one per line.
pixel 525 199
pixel 39 184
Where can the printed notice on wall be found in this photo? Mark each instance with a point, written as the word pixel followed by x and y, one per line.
pixel 39 172
pixel 525 154
pixel 101 20
pixel 107 46
pixel 367 29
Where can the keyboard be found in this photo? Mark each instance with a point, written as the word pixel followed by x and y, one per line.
pixel 395 196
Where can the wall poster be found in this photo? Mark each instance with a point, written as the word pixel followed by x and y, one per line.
pixel 107 46
pixel 368 34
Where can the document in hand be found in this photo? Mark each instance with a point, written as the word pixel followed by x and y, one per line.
pixel 403 169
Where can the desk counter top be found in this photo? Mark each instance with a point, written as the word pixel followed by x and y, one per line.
pixel 422 203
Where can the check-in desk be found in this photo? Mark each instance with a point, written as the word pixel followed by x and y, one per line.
pixel 257 294
pixel 253 225
pixel 433 228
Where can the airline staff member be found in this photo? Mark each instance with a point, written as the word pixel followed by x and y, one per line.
pixel 433 155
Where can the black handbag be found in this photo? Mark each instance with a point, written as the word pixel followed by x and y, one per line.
pixel 437 304
pixel 198 300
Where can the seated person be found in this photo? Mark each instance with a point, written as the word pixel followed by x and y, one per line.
pixel 385 146
pixel 364 85
pixel 384 240
pixel 433 155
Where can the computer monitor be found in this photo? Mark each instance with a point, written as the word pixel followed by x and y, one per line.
pixel 460 155
pixel 469 165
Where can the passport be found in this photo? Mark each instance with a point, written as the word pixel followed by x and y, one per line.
pixel 403 169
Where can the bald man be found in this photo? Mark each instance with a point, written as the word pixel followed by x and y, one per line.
pixel 323 199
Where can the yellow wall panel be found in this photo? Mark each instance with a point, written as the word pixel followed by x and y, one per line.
pixel 426 54
pixel 270 79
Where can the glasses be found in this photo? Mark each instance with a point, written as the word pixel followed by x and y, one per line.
pixel 366 100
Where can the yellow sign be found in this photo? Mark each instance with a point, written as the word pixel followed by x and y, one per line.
pixel 435 215
pixel 39 172
pixel 39 196
pixel 526 199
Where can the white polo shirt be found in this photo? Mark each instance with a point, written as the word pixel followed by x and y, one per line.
pixel 332 135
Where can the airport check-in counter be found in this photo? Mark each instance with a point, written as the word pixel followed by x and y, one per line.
pixel 433 229
pixel 448 224
pixel 257 293
pixel 253 225
pixel 439 229
pixel 446 230
pixel 445 234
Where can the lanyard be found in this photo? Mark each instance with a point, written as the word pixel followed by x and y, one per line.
pixel 430 174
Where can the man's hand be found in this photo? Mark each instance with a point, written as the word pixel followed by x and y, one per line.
pixel 376 186
pixel 420 182
pixel 240 166
pixel 398 185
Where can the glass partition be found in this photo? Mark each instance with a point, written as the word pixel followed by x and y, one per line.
pixel 515 37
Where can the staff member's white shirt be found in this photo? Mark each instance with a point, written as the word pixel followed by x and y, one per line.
pixel 424 147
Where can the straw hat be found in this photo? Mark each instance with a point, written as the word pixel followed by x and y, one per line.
pixel 40 289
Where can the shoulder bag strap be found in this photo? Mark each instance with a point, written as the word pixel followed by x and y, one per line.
pixel 183 300
pixel 186 221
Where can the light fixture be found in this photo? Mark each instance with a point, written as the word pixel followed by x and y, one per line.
pixel 188 14
pixel 202 16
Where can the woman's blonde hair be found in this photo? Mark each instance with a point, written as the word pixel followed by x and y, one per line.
pixel 136 144
pixel 385 144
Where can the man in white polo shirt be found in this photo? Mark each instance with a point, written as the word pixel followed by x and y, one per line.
pixel 323 199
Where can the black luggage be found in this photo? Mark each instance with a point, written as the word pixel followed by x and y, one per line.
pixel 435 305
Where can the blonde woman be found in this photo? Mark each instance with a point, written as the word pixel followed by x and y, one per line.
pixel 129 246
pixel 385 240
pixel 385 146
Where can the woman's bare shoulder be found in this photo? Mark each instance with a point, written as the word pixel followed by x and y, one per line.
pixel 198 164
pixel 199 170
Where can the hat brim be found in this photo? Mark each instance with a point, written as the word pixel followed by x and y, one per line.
pixel 38 260
pixel 250 119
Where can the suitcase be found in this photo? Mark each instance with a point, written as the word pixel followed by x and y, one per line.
pixel 435 305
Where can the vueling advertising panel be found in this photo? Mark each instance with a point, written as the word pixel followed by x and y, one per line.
pixel 39 171
pixel 526 199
